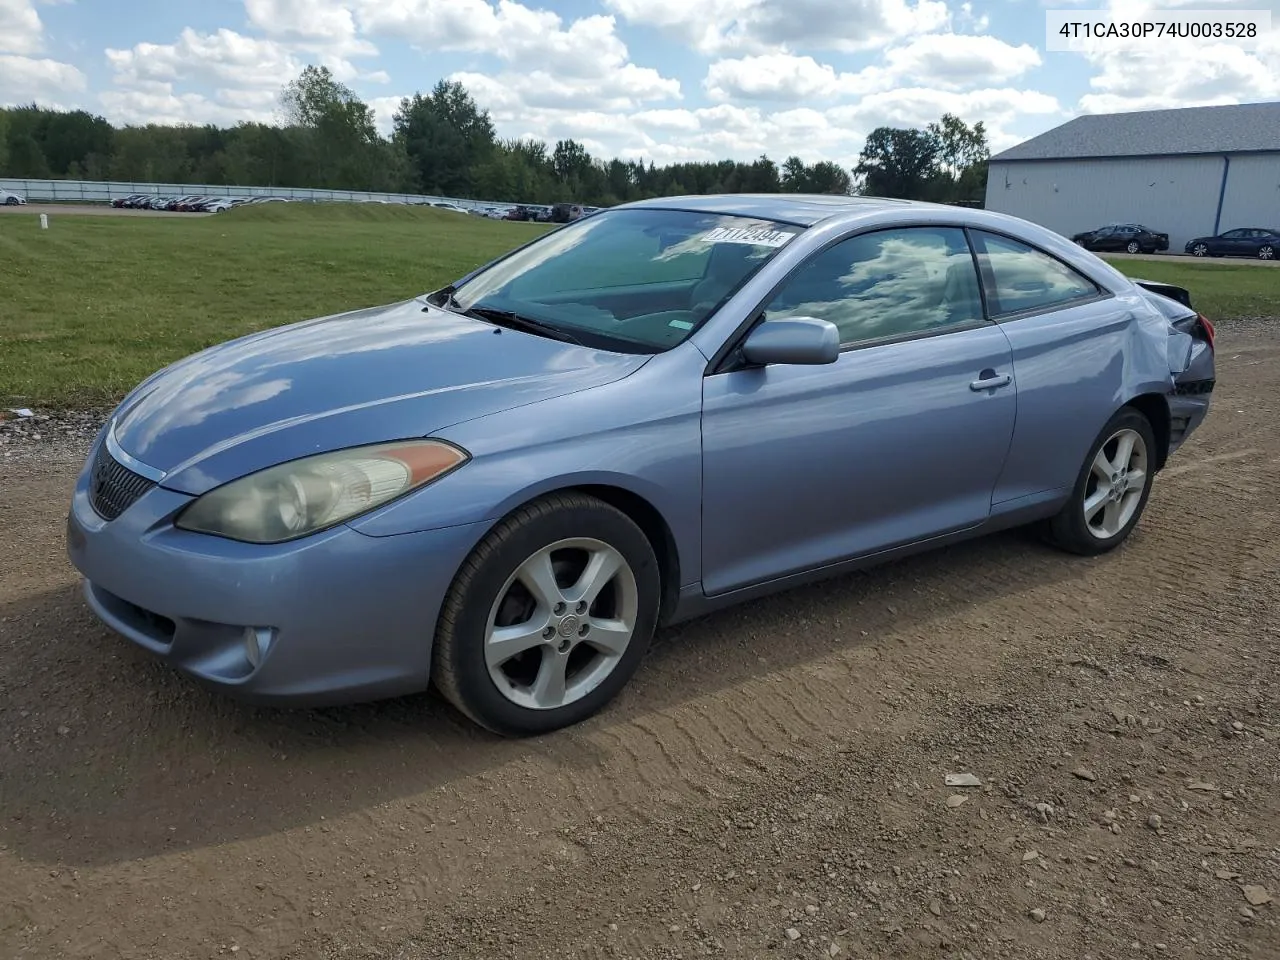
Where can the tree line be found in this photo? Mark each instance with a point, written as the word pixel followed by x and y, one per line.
pixel 443 144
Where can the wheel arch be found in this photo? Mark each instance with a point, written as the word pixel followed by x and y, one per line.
pixel 655 528
pixel 1155 407
pixel 640 509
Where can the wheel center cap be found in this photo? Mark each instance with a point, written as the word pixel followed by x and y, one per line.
pixel 568 626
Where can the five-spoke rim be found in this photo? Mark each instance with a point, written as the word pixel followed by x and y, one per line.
pixel 561 623
pixel 1117 477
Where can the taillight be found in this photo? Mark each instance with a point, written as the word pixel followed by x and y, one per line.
pixel 1207 327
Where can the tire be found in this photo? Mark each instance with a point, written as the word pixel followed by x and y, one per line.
pixel 1266 252
pixel 1069 530
pixel 1199 250
pixel 490 588
pixel 1133 247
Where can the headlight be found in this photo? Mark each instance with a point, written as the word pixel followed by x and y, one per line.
pixel 305 496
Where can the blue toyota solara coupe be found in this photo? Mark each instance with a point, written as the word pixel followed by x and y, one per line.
pixel 505 485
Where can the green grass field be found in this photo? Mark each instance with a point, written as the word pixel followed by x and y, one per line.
pixel 94 304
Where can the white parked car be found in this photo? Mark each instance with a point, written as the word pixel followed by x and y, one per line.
pixel 11 199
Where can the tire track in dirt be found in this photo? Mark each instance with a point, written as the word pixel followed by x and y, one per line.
pixel 853 690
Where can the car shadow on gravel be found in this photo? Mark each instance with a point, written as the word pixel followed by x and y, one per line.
pixel 108 755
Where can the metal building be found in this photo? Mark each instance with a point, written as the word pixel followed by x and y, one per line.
pixel 1189 172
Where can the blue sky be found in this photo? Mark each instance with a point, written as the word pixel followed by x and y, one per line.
pixel 659 79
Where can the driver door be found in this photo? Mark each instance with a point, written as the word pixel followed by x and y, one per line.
pixel 901 439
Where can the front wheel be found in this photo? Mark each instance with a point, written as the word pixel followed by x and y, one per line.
pixel 549 616
pixel 1112 488
pixel 1200 250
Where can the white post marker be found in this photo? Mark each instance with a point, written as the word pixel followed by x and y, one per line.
pixel 44 221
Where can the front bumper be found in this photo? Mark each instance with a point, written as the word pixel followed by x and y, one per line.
pixel 339 617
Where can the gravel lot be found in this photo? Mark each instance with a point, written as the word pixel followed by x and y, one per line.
pixel 771 785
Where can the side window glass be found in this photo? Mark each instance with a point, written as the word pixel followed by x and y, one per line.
pixel 1029 279
pixel 886 284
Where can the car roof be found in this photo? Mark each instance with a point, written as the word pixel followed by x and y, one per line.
pixel 802 209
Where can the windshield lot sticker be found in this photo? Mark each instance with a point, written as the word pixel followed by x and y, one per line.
pixel 755 237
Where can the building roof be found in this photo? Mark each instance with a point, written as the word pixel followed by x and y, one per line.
pixel 1237 128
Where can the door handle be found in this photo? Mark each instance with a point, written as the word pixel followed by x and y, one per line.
pixel 992 382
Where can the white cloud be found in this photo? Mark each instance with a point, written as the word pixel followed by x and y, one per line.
pixel 238 77
pixel 224 57
pixel 672 120
pixel 21 31
pixel 48 82
pixel 384 110
pixel 322 20
pixel 760 26
pixel 1143 75
pixel 588 48
pixel 771 76
pixel 961 60
pixel 317 26
pixel 744 131
pixel 509 95
pixel 918 106
pixel 947 61
pixel 159 103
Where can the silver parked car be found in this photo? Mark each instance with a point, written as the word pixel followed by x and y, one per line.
pixel 11 199
pixel 649 413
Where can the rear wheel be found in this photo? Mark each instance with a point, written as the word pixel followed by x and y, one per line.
pixel 549 617
pixel 1112 488
pixel 1133 247
pixel 1266 252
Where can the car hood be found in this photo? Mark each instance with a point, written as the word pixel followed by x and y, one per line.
pixel 368 376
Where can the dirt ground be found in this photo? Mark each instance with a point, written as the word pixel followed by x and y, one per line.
pixel 771 785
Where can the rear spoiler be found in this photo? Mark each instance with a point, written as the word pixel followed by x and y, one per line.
pixel 1172 291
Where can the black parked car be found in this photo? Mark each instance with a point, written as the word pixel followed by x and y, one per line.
pixel 1127 237
pixel 1243 242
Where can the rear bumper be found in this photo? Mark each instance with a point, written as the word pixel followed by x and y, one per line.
pixel 1186 413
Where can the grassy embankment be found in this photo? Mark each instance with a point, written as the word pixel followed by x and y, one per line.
pixel 94 304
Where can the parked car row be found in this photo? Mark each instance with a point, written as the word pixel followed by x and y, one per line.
pixel 1259 242
pixel 189 204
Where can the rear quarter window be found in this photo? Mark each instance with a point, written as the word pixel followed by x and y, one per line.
pixel 1024 279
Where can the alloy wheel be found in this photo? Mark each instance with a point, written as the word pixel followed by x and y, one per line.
pixel 561 623
pixel 1118 476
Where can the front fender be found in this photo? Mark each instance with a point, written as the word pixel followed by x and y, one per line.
pixel 642 435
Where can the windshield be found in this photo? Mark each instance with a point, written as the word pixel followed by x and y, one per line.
pixel 628 280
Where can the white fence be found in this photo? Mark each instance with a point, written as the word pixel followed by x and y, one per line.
pixel 90 191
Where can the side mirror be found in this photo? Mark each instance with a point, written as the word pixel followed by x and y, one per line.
pixel 802 340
